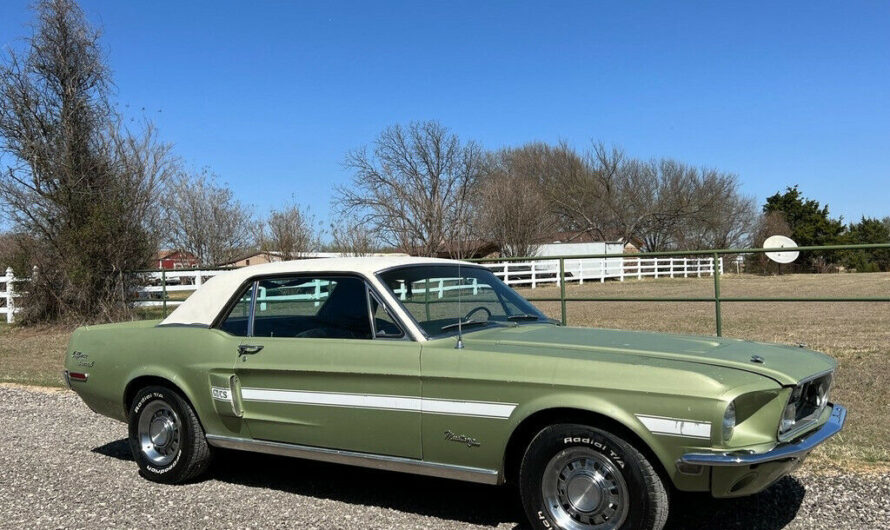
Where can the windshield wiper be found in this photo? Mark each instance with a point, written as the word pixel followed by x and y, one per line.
pixel 466 323
pixel 523 316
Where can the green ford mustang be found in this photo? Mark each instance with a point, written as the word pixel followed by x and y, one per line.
pixel 436 367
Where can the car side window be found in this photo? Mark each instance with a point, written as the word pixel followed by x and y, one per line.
pixel 333 307
pixel 385 326
pixel 236 322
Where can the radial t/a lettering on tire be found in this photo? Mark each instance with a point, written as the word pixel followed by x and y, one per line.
pixel 577 477
pixel 166 438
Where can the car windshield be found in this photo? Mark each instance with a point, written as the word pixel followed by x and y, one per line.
pixel 440 296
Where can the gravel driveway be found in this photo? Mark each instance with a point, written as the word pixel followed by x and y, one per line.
pixel 63 466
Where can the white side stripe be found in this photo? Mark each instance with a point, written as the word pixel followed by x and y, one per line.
pixel 372 401
pixel 676 427
pixel 467 408
pixel 332 399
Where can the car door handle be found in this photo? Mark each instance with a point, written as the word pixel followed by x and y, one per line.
pixel 249 349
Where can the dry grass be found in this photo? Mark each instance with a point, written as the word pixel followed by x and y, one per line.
pixel 33 356
pixel 855 333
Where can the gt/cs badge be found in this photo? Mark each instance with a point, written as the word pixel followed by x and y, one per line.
pixel 222 394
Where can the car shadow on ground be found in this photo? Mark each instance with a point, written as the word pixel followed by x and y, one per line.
pixel 468 503
pixel 772 509
pixel 119 449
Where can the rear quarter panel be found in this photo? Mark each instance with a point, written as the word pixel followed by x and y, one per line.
pixel 114 355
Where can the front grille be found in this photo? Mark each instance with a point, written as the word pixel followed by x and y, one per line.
pixel 805 406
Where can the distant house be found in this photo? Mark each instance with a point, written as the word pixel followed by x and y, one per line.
pixel 472 249
pixel 631 246
pixel 258 257
pixel 175 259
pixel 254 258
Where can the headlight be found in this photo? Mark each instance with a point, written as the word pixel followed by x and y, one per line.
pixel 805 405
pixel 821 394
pixel 789 418
pixel 728 422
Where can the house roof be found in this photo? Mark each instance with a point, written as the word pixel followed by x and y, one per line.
pixel 205 304
pixel 168 253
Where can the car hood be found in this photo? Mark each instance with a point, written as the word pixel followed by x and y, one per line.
pixel 785 364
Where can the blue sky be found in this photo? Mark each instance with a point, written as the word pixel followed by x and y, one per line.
pixel 271 95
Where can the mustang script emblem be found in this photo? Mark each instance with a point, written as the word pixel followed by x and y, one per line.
pixel 461 438
pixel 82 359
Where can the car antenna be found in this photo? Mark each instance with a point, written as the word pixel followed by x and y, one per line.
pixel 460 334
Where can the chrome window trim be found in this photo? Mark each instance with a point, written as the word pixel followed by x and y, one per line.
pixel 374 461
pixel 369 294
pixel 252 312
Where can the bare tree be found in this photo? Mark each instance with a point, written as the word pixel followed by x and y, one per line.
pixel 352 238
pixel 413 188
pixel 511 208
pixel 665 203
pixel 204 218
pixel 722 218
pixel 289 232
pixel 77 183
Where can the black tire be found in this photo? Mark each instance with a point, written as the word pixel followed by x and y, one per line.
pixel 166 438
pixel 575 477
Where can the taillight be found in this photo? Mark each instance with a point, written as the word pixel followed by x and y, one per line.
pixel 76 376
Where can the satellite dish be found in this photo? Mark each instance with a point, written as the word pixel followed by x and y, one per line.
pixel 781 242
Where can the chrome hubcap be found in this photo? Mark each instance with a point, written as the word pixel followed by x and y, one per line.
pixel 583 490
pixel 158 431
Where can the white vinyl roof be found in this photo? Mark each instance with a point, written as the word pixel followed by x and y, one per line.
pixel 205 304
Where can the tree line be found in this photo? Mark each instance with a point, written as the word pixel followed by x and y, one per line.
pixel 90 195
pixel 809 224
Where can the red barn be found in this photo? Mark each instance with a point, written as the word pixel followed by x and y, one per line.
pixel 175 259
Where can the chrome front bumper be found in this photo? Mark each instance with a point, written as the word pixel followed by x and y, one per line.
pixel 784 451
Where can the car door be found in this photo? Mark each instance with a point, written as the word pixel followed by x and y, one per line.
pixel 315 369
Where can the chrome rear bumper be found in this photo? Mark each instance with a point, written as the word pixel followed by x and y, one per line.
pixel 783 451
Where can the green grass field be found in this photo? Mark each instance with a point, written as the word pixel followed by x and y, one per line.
pixel 855 333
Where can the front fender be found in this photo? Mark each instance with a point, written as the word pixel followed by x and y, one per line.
pixel 586 403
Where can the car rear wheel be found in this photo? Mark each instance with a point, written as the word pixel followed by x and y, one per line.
pixel 166 438
pixel 576 477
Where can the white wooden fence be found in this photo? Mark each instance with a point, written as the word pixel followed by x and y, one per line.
pixel 533 274
pixel 8 307
pixel 538 272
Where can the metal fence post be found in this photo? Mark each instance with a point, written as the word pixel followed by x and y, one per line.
pixel 426 296
pixel 10 301
pixel 562 289
pixel 164 290
pixel 717 316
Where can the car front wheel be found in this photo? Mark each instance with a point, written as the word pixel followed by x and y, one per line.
pixel 576 477
pixel 166 438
